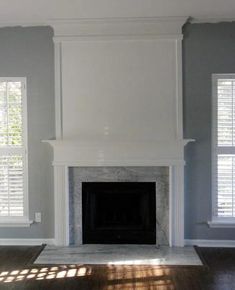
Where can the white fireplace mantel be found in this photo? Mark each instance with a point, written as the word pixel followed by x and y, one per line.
pixel 70 153
pixel 76 152
pixel 119 81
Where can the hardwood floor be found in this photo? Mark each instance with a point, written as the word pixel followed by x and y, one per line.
pixel 14 256
pixel 18 272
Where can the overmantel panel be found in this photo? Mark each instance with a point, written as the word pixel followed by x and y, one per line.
pixel 119 77
pixel 122 90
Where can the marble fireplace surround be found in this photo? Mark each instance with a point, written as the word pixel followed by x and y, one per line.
pixel 159 175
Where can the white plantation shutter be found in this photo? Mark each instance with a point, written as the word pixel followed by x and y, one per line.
pixel 13 148
pixel 223 158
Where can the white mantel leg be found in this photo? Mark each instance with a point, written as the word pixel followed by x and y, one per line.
pixel 61 196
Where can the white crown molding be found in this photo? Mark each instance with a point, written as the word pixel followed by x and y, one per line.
pixel 209 19
pixel 210 243
pixel 89 22
pixel 26 242
pixel 156 27
pixel 23 23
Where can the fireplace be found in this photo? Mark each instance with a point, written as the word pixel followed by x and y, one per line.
pixel 119 212
pixel 100 125
pixel 141 194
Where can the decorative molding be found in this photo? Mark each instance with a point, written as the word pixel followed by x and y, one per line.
pixel 160 27
pixel 57 22
pixel 179 90
pixel 23 23
pixel 156 153
pixel 210 243
pixel 26 242
pixel 120 162
pixel 209 19
pixel 58 93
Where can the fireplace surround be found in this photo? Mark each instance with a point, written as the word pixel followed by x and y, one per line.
pixel 157 181
pixel 72 155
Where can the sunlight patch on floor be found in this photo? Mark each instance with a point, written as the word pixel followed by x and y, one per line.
pixel 45 273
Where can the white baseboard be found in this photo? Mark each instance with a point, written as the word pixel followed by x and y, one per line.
pixel 210 243
pixel 26 242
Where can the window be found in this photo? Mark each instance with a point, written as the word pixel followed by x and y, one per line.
pixel 13 152
pixel 223 150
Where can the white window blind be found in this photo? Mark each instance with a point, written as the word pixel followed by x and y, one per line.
pixel 223 158
pixel 13 149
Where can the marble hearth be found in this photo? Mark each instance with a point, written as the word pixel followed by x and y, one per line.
pixel 158 174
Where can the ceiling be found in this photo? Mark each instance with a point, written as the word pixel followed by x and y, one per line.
pixel 32 11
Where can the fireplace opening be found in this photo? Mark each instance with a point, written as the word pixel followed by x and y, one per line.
pixel 119 212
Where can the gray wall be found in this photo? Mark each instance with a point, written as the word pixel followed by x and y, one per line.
pixel 207 49
pixel 28 52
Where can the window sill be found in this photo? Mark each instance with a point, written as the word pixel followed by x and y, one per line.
pixel 221 224
pixel 9 223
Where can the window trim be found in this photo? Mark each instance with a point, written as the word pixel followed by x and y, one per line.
pixel 21 221
pixel 216 222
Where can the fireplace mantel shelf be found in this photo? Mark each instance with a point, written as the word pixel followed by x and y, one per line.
pixel 93 143
pixel 73 152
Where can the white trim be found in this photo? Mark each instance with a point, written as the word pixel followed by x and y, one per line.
pixel 179 90
pixel 26 242
pixel 46 22
pixel 22 150
pixel 210 243
pixel 25 146
pixel 217 222
pixel 159 37
pixel 66 204
pixel 119 162
pixel 209 19
pixel 222 223
pixel 100 28
pixel 213 146
pixel 23 23
pixel 58 92
pixel 171 206
pixel 15 222
pixel 157 153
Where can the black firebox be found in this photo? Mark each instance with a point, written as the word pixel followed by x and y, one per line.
pixel 119 212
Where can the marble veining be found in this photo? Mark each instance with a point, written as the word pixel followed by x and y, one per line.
pixel 119 255
pixel 159 175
